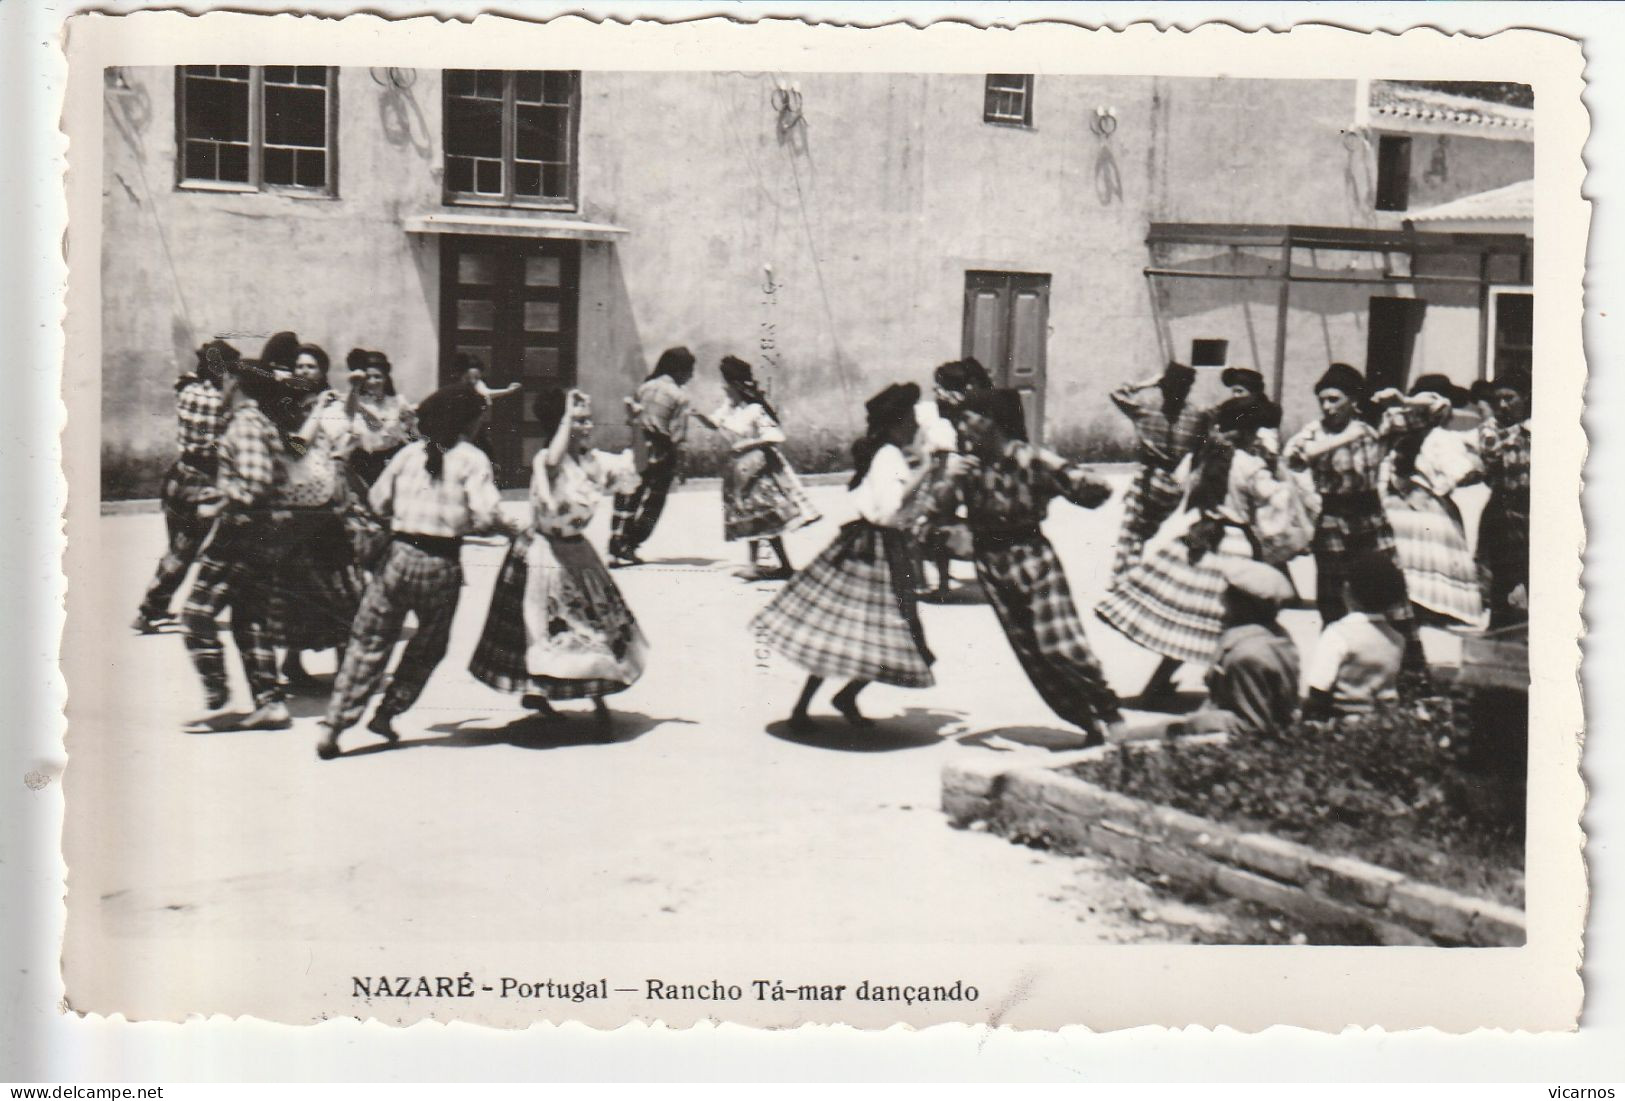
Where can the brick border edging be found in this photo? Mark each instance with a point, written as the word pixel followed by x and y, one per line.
pixel 1039 801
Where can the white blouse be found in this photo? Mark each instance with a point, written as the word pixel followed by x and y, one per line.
pixel 747 422
pixel 879 497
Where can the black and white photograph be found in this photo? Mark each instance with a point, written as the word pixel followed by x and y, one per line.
pixel 568 527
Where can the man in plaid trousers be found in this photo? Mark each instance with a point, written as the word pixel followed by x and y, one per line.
pixel 199 416
pixel 659 415
pixel 234 564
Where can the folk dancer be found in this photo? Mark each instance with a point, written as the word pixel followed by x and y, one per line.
pixel 1241 382
pixel 1426 461
pixel 1172 601
pixel 851 613
pixel 659 416
pixel 381 421
pixel 1006 485
pixel 238 557
pixel 318 585
pixel 558 627
pixel 1166 429
pixel 199 417
pixel 939 438
pixel 435 491
pixel 762 498
pixel 1344 455
pixel 1503 447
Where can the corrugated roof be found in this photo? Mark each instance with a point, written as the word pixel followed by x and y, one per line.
pixel 1514 202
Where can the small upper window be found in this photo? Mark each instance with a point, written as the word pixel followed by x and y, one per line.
pixel 247 127
pixel 1008 99
pixel 1393 172
pixel 510 137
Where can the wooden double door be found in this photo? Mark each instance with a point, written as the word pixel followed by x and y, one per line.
pixel 1007 330
pixel 511 304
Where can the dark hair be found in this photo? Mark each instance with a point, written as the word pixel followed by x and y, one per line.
pixel 281 350
pixel 883 412
pixel 443 417
pixel 952 375
pixel 1213 458
pixel 1482 390
pixel 463 362
pixel 314 351
pixel 356 360
pixel 976 376
pixel 549 407
pixel 213 359
pixel 378 361
pixel 1375 583
pixel 673 362
pixel 739 374
pixel 1002 407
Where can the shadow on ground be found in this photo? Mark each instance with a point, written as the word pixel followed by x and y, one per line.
pixel 914 728
pixel 1041 737
pixel 568 728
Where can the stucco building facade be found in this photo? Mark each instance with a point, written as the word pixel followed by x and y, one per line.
pixel 841 231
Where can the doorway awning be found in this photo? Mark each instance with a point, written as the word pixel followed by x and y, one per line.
pixel 556 227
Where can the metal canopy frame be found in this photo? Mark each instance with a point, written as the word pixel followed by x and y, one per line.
pixel 1286 238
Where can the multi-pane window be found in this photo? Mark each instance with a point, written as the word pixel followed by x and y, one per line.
pixel 1008 99
pixel 253 126
pixel 510 137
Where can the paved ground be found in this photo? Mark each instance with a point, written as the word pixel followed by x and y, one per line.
pixel 703 820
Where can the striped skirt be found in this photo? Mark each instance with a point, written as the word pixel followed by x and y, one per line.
pixel 851 613
pixel 558 626
pixel 1169 606
pixel 1431 540
pixel 1151 499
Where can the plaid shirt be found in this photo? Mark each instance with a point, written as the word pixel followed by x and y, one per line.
pixel 199 417
pixel 1504 455
pixel 462 501
pixel 1160 442
pixel 663 408
pixel 1012 494
pixel 1352 470
pixel 251 458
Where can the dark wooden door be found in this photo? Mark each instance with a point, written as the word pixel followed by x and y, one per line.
pixel 1007 329
pixel 512 305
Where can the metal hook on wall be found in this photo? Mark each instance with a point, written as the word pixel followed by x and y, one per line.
pixel 1103 123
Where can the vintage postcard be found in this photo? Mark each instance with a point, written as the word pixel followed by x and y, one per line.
pixel 776 523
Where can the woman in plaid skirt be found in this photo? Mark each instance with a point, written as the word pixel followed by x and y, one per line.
pixel 317 588
pixel 558 628
pixel 1165 431
pixel 762 498
pixel 851 613
pixel 1426 461
pixel 433 493
pixel 1344 455
pixel 1006 485
pixel 1172 601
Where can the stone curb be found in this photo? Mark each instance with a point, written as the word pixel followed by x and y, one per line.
pixel 1040 802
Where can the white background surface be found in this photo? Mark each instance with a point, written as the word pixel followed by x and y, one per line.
pixel 37 1043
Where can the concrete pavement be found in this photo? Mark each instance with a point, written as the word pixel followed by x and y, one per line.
pixel 704 820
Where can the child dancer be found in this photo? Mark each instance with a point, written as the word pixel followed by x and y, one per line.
pixel 434 492
pixel 762 498
pixel 851 613
pixel 1006 485
pixel 558 628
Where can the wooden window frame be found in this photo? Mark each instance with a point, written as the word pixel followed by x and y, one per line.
pixel 329 188
pixel 993 118
pixel 510 142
